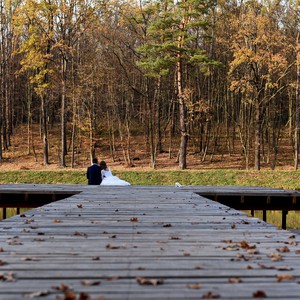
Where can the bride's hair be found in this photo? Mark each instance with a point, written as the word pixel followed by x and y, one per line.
pixel 103 165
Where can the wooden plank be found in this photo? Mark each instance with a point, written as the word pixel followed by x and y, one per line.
pixel 100 241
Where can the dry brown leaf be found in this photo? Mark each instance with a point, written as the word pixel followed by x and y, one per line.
pixel 210 295
pixel 194 286
pixel 30 258
pixel 292 243
pixel 96 258
pixel 9 277
pixel 79 205
pixel 57 221
pixel 2 262
pixel 284 277
pixel 77 233
pixel 167 225
pixel 259 294
pixel 231 248
pixel 85 296
pixel 112 278
pixel 90 282
pixel 38 294
pixel 134 219
pixel 267 267
pixel 110 246
pixel 275 257
pixel 283 249
pixel 245 245
pixel 234 280
pixel 63 288
pixel 243 257
pixel 13 242
pixel 285 268
pixel 148 281
pixel 227 241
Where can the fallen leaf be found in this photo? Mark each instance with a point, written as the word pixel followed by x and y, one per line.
pixel 77 233
pixel 194 286
pixel 167 225
pixel 9 277
pixel 13 242
pixel 134 219
pixel 283 249
pixel 267 267
pixel 245 245
pixel 233 226
pixel 231 248
pixel 110 246
pixel 227 241
pixel 112 278
pixel 234 280
pixel 30 259
pixel 63 288
pixel 148 281
pixel 284 268
pixel 284 277
pixel 96 258
pixel 57 221
pixel 79 205
pixel 252 251
pixel 210 295
pixel 38 294
pixel 38 240
pixel 2 262
pixel 275 257
pixel 90 283
pixel 293 243
pixel 243 257
pixel 259 294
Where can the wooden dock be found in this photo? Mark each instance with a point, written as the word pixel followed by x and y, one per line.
pixel 143 242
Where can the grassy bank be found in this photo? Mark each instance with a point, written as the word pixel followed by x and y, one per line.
pixel 276 179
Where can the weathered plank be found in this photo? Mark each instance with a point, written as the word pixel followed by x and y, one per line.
pixel 107 241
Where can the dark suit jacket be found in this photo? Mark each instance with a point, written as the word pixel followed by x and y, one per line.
pixel 93 174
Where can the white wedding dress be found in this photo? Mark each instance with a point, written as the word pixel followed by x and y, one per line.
pixel 109 179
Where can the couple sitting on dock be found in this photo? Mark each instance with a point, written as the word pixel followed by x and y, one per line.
pixel 101 175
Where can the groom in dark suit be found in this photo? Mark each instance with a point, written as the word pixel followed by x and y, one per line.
pixel 93 173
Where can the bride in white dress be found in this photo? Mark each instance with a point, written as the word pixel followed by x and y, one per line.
pixel 108 178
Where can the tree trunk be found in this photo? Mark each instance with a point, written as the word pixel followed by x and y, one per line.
pixel 257 150
pixel 296 131
pixel 44 130
pixel 182 116
pixel 63 116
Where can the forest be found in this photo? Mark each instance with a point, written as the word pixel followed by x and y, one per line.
pixel 181 76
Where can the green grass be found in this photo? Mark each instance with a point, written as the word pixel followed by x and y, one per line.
pixel 276 179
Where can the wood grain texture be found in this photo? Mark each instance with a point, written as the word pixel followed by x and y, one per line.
pixel 144 242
